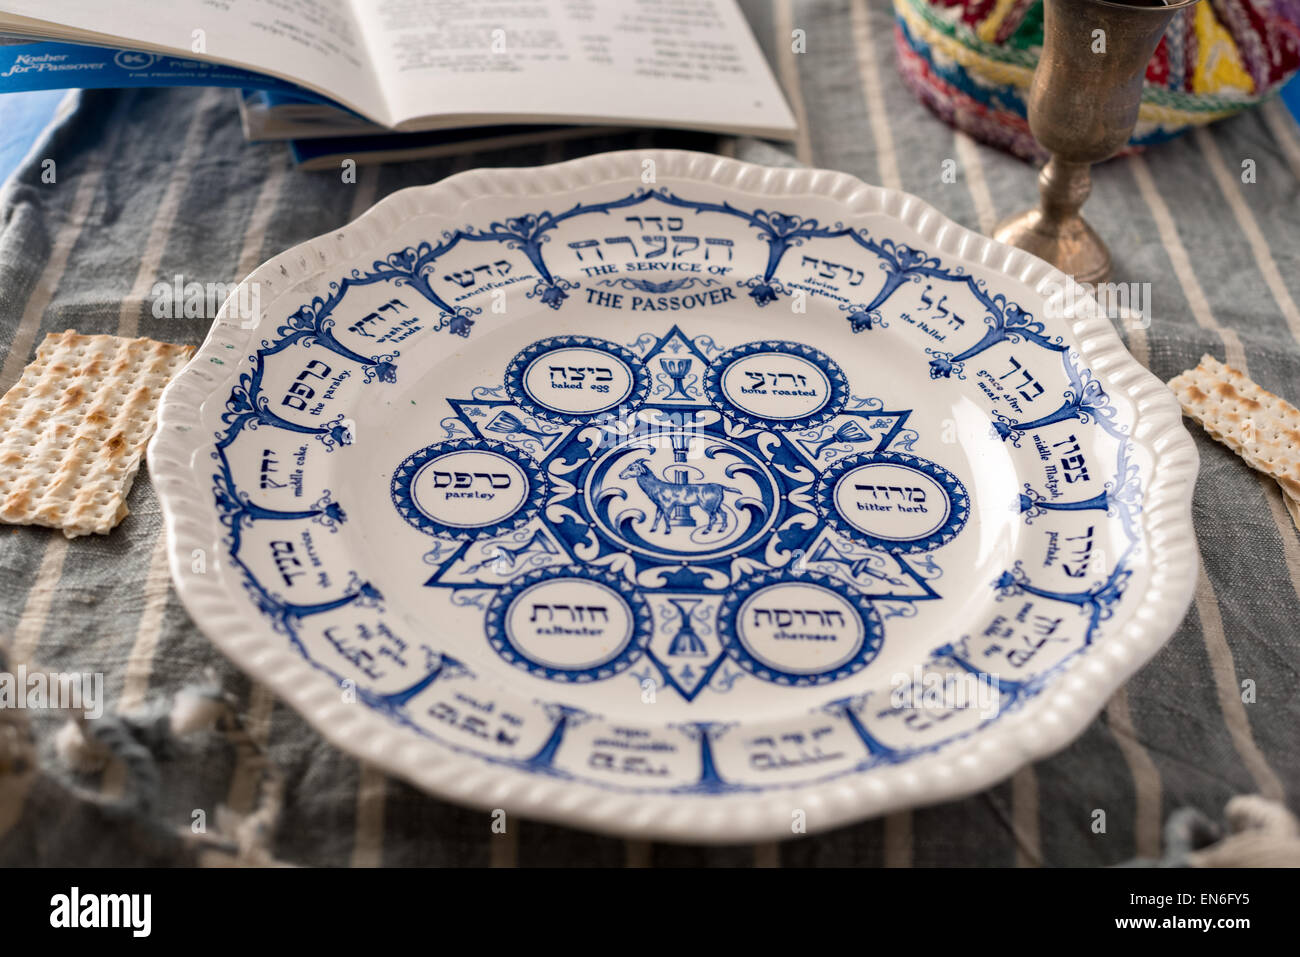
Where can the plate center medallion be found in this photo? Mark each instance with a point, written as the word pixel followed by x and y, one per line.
pixel 684 512
pixel 682 493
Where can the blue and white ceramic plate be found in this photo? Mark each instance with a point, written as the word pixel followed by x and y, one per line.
pixel 676 497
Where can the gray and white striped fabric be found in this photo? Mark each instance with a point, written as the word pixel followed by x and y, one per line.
pixel 152 184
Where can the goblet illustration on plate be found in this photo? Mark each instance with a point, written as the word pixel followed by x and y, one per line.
pixel 507 423
pixel 677 370
pixel 849 431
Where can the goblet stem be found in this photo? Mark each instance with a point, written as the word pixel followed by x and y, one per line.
pixel 1064 187
pixel 1055 231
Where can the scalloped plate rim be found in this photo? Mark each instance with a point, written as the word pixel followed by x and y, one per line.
pixel 982 760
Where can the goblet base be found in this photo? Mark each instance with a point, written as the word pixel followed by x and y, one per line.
pixel 1069 244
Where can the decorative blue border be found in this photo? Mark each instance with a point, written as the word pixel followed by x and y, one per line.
pixel 248 407
pixel 872 639
pixel 640 619
pixel 517 389
pixel 837 385
pixel 958 501
pixel 404 499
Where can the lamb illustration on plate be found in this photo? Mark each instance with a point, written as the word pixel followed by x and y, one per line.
pixel 668 496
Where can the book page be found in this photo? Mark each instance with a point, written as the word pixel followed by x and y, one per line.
pixel 315 43
pixel 677 63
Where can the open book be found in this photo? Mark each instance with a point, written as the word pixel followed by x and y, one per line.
pixel 439 64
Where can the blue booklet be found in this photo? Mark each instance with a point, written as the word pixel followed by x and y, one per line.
pixel 280 115
pixel 330 151
pixel 60 66
pixel 420 65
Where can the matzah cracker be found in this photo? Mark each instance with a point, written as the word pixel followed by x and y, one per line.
pixel 1259 426
pixel 75 426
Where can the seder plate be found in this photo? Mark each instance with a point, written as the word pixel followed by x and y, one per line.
pixel 676 497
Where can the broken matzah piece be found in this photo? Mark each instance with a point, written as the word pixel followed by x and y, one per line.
pixel 74 427
pixel 1259 426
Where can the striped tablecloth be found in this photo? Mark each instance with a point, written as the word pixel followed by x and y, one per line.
pixel 154 184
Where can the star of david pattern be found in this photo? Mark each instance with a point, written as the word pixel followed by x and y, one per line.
pixel 680 512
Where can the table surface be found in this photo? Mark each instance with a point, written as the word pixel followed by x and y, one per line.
pixel 151 184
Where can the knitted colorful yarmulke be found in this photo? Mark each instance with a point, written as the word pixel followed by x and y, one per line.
pixel 971 62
